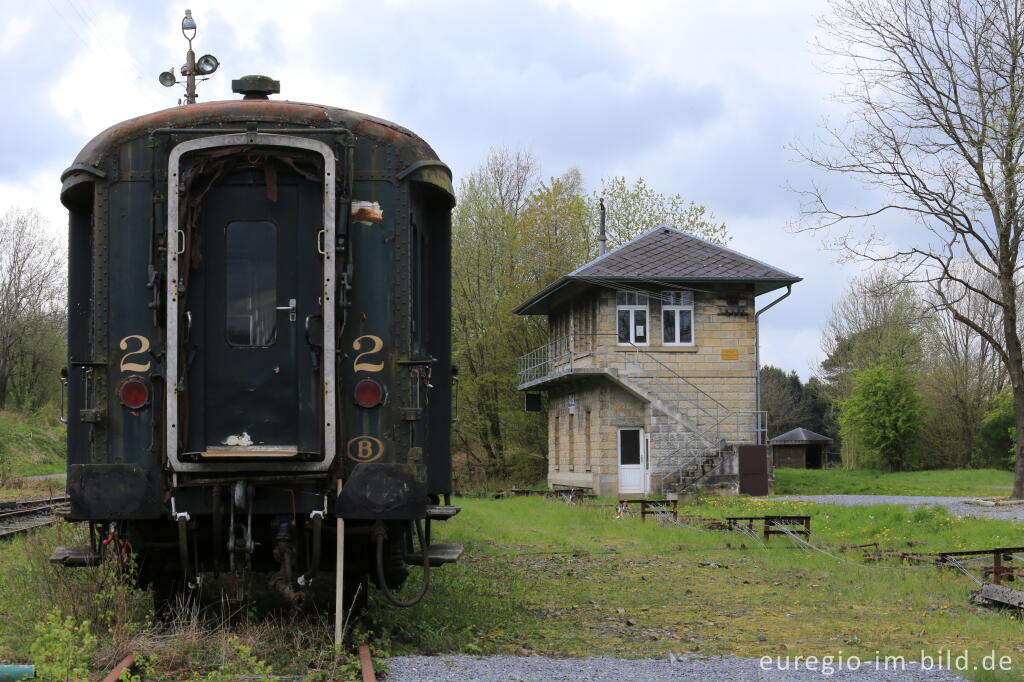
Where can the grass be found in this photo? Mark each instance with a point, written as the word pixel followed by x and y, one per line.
pixel 541 577
pixel 544 578
pixel 943 482
pixel 31 444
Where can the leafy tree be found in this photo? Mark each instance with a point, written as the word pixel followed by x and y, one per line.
pixel 782 397
pixel 879 320
pixel 997 436
pixel 631 210
pixel 882 417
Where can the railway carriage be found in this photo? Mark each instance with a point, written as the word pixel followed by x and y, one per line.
pixel 259 344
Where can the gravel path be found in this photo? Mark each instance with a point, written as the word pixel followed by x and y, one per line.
pixel 957 506
pixel 718 669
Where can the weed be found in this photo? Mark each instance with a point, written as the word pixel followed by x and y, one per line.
pixel 62 649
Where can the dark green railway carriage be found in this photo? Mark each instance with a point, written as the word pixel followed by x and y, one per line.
pixel 258 312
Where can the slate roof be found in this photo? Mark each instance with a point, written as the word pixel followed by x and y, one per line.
pixel 799 435
pixel 664 254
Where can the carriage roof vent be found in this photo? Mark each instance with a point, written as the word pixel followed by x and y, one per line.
pixel 256 87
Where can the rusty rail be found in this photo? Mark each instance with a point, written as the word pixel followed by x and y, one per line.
pixel 366 664
pixel 115 674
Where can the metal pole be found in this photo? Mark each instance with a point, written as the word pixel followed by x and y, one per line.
pixel 757 357
pixel 190 77
pixel 339 579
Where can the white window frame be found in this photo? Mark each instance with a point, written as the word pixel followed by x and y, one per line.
pixel 632 308
pixel 674 301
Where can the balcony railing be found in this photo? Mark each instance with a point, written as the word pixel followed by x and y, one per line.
pixel 709 418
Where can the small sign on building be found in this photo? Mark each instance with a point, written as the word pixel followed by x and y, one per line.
pixel 572 403
pixel 730 354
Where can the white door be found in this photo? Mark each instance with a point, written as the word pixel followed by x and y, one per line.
pixel 632 476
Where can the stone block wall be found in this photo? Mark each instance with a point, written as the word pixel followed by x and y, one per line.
pixel 682 383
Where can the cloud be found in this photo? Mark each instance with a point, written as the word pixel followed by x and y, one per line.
pixel 699 99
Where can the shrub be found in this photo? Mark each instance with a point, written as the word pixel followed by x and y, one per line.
pixel 883 416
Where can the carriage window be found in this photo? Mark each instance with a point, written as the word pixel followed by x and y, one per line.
pixel 251 283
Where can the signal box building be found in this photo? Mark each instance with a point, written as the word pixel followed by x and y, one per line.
pixel 651 365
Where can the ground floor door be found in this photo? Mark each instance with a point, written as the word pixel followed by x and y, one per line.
pixel 632 461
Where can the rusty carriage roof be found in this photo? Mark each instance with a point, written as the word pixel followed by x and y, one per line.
pixel 410 147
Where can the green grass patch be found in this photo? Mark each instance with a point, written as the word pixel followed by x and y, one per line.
pixel 31 444
pixel 941 482
pixel 542 577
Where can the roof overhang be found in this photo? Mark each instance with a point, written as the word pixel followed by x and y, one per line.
pixel 568 287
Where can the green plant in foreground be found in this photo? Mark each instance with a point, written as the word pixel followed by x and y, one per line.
pixel 241 662
pixel 61 649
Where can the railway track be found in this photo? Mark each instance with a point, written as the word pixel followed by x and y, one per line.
pixel 10 505
pixel 21 516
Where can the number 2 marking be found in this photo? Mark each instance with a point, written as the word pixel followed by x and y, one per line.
pixel 376 344
pixel 143 347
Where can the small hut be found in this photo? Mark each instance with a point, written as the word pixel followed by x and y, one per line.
pixel 799 449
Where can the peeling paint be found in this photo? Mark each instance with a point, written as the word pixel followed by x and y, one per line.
pixel 367 212
pixel 243 439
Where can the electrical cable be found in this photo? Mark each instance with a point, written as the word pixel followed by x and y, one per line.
pixel 380 533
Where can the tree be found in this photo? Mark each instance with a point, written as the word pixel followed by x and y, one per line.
pixel 997 435
pixel 32 288
pixel 879 319
pixel 882 416
pixel 782 397
pixel 960 378
pixel 936 128
pixel 630 210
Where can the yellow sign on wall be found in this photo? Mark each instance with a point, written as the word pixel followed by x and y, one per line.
pixel 730 354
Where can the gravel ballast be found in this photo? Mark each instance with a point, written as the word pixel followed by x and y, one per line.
pixel 957 506
pixel 715 669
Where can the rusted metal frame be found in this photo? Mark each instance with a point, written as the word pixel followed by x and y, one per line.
pixel 172 292
pixel 999 554
pixel 769 520
pixel 223 131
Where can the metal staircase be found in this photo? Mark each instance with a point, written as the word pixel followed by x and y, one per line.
pixel 686 423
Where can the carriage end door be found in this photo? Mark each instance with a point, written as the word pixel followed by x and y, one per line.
pixel 253 369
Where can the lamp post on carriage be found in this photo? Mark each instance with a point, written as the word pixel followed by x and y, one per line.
pixel 204 66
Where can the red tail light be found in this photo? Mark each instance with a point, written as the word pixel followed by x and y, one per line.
pixel 134 393
pixel 369 393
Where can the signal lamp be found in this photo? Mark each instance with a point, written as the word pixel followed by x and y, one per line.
pixel 134 393
pixel 369 393
pixel 207 64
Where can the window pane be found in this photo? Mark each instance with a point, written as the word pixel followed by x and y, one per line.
pixel 668 326
pixel 641 299
pixel 685 298
pixel 623 326
pixel 685 326
pixel 629 446
pixel 621 298
pixel 251 283
pixel 640 326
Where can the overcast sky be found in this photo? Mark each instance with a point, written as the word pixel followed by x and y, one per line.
pixel 698 98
